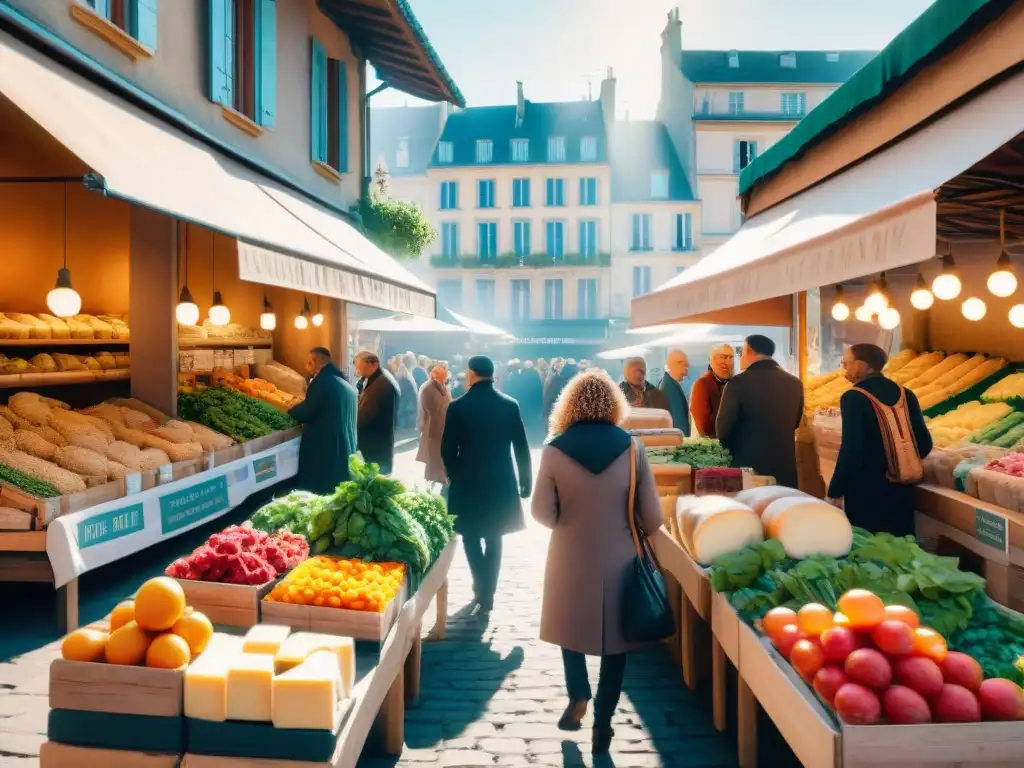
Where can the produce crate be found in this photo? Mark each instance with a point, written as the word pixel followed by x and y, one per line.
pixel 666 437
pixel 260 444
pixel 673 478
pixel 360 625
pixel 35 514
pixel 54 755
pixel 227 455
pixel 116 689
pixel 232 605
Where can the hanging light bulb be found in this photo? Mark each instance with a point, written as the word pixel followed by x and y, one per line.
pixel 268 320
pixel 947 285
pixel 318 318
pixel 921 298
pixel 187 311
pixel 1002 282
pixel 973 309
pixel 889 318
pixel 877 300
pixel 219 314
pixel 302 319
pixel 1017 315
pixel 840 309
pixel 863 314
pixel 63 300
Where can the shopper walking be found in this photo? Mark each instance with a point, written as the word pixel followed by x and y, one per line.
pixel 676 369
pixel 759 414
pixel 328 418
pixel 434 401
pixel 582 495
pixel 639 392
pixel 408 398
pixel 706 395
pixel 378 412
pixel 884 440
pixel 482 430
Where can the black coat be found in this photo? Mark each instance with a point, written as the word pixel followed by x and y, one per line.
pixel 871 501
pixel 653 397
pixel 482 430
pixel 553 387
pixel 757 420
pixel 677 404
pixel 378 414
pixel 328 416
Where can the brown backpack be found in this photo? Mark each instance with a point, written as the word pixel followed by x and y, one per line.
pixel 898 440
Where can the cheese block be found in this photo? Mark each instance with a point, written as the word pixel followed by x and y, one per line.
pixel 299 646
pixel 206 692
pixel 306 697
pixel 656 438
pixel 808 526
pixel 758 499
pixel 265 638
pixel 710 526
pixel 647 418
pixel 249 680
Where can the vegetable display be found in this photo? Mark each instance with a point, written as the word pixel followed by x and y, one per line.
pixel 698 452
pixel 970 420
pixel 995 637
pixel 325 581
pixel 27 483
pixel 290 513
pixel 431 512
pixel 242 555
pixel 231 413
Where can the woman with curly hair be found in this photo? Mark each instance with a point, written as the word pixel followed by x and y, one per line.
pixel 582 493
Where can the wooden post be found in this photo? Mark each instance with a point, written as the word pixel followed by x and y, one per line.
pixel 719 688
pixel 440 630
pixel 67 607
pixel 801 333
pixel 392 714
pixel 687 635
pixel 413 665
pixel 746 725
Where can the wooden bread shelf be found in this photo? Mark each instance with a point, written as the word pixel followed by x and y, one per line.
pixel 63 342
pixel 60 378
pixel 223 343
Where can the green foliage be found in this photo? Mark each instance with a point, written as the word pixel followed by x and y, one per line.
pixel 232 413
pixel 289 513
pixel 399 227
pixel 27 483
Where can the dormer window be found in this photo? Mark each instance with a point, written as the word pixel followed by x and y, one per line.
pixel 556 149
pixel 787 60
pixel 484 151
pixel 734 60
pixel 402 154
pixel 445 152
pixel 520 150
pixel 832 57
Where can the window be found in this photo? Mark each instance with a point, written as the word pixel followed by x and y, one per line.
pixel 734 60
pixel 521 238
pixel 586 299
pixel 485 298
pixel 402 154
pixel 588 149
pixel 787 60
pixel 556 149
pixel 445 152
pixel 641 281
pixel 329 111
pixel 659 185
pixel 450 240
pixel 743 154
pixel 588 238
pixel 641 240
pixel 682 237
pixel 485 193
pixel 520 150
pixel 588 191
pixel 555 246
pixel 832 57
pixel 449 195
pixel 243 57
pixel 555 192
pixel 487 241
pixel 794 104
pixel 552 299
pixel 520 193
pixel 520 300
pixel 136 17
pixel 449 293
pixel 735 102
pixel 484 150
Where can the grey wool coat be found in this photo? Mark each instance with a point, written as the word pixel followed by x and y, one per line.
pixel 434 400
pixel 583 501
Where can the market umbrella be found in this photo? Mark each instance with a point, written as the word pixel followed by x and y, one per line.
pixel 622 353
pixel 476 327
pixel 410 324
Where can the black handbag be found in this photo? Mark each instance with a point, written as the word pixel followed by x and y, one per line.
pixel 646 614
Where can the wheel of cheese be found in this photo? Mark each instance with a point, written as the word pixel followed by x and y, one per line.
pixel 758 499
pixel 807 526
pixel 710 526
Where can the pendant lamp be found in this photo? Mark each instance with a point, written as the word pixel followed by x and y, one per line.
pixel 1002 282
pixel 302 319
pixel 268 320
pixel 187 311
pixel 318 318
pixel 877 300
pixel 921 298
pixel 63 300
pixel 840 309
pixel 947 285
pixel 219 314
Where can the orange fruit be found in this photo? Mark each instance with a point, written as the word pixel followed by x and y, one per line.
pixel 904 614
pixel 930 644
pixel 195 629
pixel 168 651
pixel 807 658
pixel 773 621
pixel 84 645
pixel 128 645
pixel 159 603
pixel 864 609
pixel 123 613
pixel 839 619
pixel 813 619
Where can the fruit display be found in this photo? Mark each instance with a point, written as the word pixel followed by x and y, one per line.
pixel 155 629
pixel 698 452
pixel 21 326
pixel 1007 390
pixel 283 377
pixel 968 421
pixel 231 413
pixel 326 581
pixel 1005 432
pixel 871 663
pixel 261 390
pixel 824 391
pixel 242 554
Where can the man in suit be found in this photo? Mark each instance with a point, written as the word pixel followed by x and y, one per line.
pixel 328 416
pixel 760 411
pixel 482 430
pixel 676 369
pixel 378 412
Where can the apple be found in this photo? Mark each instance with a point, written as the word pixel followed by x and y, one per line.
pixel 905 706
pixel 786 638
pixel 1000 699
pixel 869 668
pixel 956 704
pixel 960 669
pixel 857 705
pixel 807 658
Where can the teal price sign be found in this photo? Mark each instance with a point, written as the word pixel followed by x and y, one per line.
pixel 190 505
pixel 265 468
pixel 991 528
pixel 108 526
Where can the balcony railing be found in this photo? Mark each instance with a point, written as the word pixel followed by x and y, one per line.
pixel 511 260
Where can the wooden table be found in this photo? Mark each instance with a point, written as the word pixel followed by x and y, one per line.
pixel 23 559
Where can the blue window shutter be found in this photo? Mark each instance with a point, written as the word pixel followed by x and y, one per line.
pixel 318 106
pixel 453 194
pixel 102 7
pixel 636 231
pixel 266 62
pixel 221 29
pixel 583 191
pixel 736 159
pixel 343 126
pixel 142 16
pixel 688 223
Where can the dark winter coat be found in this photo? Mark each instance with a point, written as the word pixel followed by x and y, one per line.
pixel 677 404
pixel 652 397
pixel 328 416
pixel 378 415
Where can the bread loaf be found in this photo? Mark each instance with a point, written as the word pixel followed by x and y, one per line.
pixel 710 526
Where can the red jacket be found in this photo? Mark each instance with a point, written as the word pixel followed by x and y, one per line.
pixel 705 397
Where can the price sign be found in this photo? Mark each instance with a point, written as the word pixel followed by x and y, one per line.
pixel 992 528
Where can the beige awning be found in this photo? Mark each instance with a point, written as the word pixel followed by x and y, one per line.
pixel 283 239
pixel 876 216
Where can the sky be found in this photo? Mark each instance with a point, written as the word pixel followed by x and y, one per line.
pixel 557 47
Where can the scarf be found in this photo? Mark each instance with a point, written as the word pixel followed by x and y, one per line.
pixel 594 445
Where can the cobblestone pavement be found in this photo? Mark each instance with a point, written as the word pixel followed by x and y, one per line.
pixel 491 692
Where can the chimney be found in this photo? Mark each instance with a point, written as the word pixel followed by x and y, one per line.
pixel 607 100
pixel 520 104
pixel 672 40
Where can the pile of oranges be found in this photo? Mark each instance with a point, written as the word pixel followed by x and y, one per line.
pixel 338 582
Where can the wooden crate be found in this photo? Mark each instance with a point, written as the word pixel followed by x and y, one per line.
pixel 673 478
pixel 54 755
pixel 725 626
pixel 117 689
pixel 232 605
pixel 360 625
pixel 43 511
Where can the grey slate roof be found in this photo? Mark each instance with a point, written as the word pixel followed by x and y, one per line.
pixel 571 119
pixel 640 147
pixel 812 67
pixel 389 125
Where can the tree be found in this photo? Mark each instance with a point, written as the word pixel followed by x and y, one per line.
pixel 399 227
